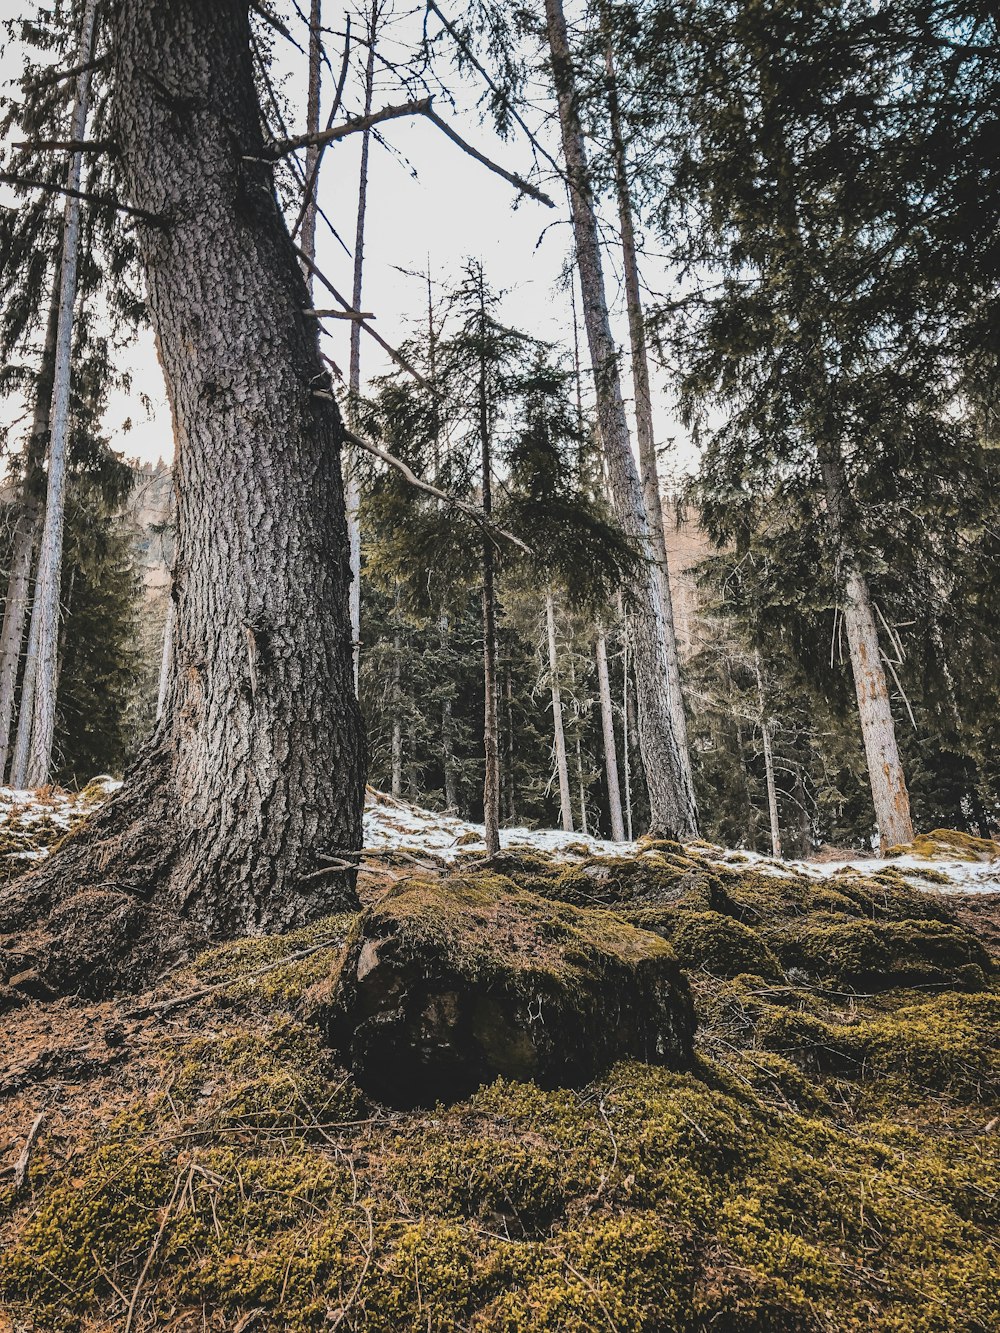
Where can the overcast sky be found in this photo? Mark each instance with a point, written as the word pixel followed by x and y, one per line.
pixel 428 203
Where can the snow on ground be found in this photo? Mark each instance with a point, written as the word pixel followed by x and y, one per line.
pixel 40 818
pixel 392 824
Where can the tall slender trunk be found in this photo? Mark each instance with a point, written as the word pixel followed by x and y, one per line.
pixel 491 779
pixel 562 768
pixel 47 581
pixel 644 421
pixel 766 725
pixel 578 748
pixel 255 774
pixel 510 793
pixel 353 493
pixel 308 241
pixel 447 730
pixel 885 771
pixel 25 713
pixel 626 737
pixel 671 797
pixel 610 748
pixel 397 703
pixel 26 532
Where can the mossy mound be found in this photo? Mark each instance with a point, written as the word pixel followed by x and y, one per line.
pixel 951 845
pixel 829 1162
pixel 448 983
pixel 878 955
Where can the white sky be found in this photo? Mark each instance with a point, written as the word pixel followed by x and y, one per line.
pixel 427 202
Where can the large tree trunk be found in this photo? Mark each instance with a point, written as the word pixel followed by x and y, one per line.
pixel 610 748
pixel 256 771
pixel 26 532
pixel 671 797
pixel 562 767
pixel 46 606
pixel 885 771
pixel 644 423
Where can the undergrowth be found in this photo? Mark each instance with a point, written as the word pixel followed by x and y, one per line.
pixel 829 1164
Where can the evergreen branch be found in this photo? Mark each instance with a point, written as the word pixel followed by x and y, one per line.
pixel 475 514
pixel 101 200
pixel 57 76
pixel 354 126
pixel 464 47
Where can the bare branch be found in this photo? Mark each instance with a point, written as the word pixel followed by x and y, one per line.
pixel 475 514
pixel 24 1160
pixel 518 182
pixel 398 357
pixel 464 47
pixel 353 126
pixel 340 314
pixel 313 176
pixel 58 75
pixel 68 145
pixel 102 200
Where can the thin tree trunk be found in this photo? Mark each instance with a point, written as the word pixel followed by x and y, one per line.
pixel 308 240
pixel 581 780
pixel 255 773
pixel 673 810
pixel 626 752
pixel 396 779
pixel 885 771
pixel 491 779
pixel 26 532
pixel 610 748
pixel 25 712
pixel 765 732
pixel 562 768
pixel 45 606
pixel 447 731
pixel 354 372
pixel 644 422
pixel 509 803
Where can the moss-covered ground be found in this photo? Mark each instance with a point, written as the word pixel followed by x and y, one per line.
pixel 830 1164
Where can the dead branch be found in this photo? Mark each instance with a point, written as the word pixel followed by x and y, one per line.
pixel 68 146
pixel 422 485
pixel 102 200
pixel 58 75
pixel 398 357
pixel 354 126
pixel 340 314
pixel 518 182
pixel 191 997
pixel 24 1161
pixel 470 56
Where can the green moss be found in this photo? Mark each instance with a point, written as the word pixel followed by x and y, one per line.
pixel 721 946
pixel 824 1166
pixel 881 954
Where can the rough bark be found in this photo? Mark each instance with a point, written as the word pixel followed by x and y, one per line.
pixel 562 767
pixel 256 771
pixel 45 606
pixel 885 771
pixel 610 748
pixel 26 532
pixel 672 806
pixel 644 424
pixel 766 726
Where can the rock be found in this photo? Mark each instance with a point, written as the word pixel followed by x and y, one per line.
pixel 447 984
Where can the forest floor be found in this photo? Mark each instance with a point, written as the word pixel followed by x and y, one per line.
pixel 196 1158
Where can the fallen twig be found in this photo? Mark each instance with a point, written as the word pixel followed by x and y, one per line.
pixel 24 1161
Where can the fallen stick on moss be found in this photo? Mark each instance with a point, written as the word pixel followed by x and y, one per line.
pixel 24 1161
pixel 192 997
pixel 155 1247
